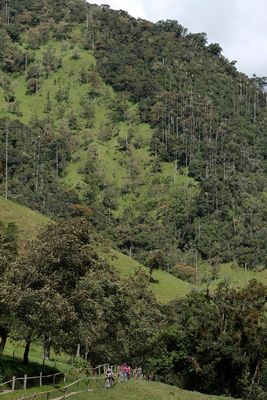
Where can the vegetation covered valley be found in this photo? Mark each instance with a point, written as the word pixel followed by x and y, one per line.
pixel 133 209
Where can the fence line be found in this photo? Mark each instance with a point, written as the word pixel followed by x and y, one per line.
pixel 64 389
pixel 26 378
pixel 41 377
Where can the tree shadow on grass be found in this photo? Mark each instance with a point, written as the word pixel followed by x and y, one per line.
pixel 153 280
pixel 13 366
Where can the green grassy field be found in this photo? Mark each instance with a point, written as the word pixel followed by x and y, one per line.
pixel 140 390
pixel 144 390
pixel 165 286
pixel 14 353
pixel 27 221
pixel 238 277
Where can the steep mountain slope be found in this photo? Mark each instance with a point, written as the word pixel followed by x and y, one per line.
pixel 171 157
pixel 105 161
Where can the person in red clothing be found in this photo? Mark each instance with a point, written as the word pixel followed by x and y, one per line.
pixel 124 369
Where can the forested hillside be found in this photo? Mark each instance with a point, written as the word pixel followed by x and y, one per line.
pixel 145 124
pixel 138 138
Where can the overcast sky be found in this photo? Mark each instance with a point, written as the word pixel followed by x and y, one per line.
pixel 239 26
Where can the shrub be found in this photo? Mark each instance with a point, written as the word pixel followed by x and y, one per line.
pixel 184 272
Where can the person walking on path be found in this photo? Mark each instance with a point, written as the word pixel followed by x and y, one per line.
pixel 109 379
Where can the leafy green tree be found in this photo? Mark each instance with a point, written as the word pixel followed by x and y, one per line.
pixel 50 61
pixel 88 109
pixel 44 277
pixel 155 261
pixel 215 343
pixel 33 77
pixel 8 251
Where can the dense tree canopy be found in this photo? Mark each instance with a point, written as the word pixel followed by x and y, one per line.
pixel 215 343
pixel 62 290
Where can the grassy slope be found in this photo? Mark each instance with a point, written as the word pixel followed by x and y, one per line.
pixel 27 220
pixel 114 163
pixel 143 390
pixel 239 277
pixel 165 286
pixel 16 349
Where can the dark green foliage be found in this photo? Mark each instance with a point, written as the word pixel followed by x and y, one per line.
pixel 8 244
pixel 8 252
pixel 93 177
pixel 62 94
pixel 88 109
pixel 36 161
pixel 11 57
pixel 215 343
pixel 155 261
pixel 74 297
pixel 50 61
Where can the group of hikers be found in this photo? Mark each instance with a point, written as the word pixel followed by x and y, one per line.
pixel 125 373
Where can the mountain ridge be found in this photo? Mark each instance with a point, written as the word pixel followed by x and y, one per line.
pixel 143 124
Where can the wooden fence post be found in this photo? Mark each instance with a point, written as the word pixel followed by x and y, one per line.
pixel 47 396
pixel 41 379
pixel 54 379
pixel 13 382
pixel 25 382
pixel 78 352
pixel 65 377
pixel 99 370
